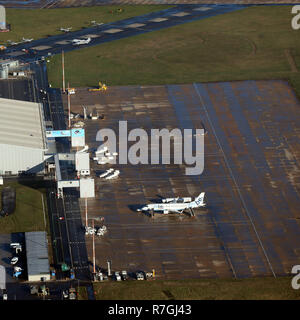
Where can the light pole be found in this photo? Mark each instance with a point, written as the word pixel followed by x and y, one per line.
pixel 63 70
pixel 94 258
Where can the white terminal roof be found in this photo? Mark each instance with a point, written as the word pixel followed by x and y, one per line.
pixel 21 124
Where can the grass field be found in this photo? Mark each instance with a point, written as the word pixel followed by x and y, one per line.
pixel 28 215
pixel 199 289
pixel 254 43
pixel 39 23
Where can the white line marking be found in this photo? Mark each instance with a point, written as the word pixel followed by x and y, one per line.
pixel 234 180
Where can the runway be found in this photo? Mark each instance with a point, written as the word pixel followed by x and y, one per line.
pixel 118 30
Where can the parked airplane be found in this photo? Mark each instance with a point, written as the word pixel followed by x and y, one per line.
pixel 77 42
pixel 115 174
pixel 96 23
pixel 65 29
pixel 104 149
pixel 26 40
pixel 106 173
pixel 12 43
pixel 176 207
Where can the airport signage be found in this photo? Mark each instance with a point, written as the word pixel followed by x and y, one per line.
pixel 65 133
pixel 58 133
pixel 77 133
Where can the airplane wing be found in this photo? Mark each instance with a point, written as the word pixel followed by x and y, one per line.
pixel 176 211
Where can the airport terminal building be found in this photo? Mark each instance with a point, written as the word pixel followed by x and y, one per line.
pixel 22 137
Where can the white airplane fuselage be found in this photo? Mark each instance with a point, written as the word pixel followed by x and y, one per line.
pixel 65 29
pixel 78 42
pixel 175 207
pixel 27 40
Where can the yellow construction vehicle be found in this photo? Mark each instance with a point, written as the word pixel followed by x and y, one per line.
pixel 102 87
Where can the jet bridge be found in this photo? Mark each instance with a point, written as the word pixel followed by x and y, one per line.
pixel 77 136
pixel 86 185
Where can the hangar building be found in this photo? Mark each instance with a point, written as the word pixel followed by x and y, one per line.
pixel 22 137
pixel 38 268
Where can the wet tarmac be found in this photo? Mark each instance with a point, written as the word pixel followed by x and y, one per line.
pixel 251 226
pixel 17 89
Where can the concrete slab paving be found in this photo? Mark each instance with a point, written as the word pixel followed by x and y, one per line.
pixel 135 25
pixel 202 9
pixel 180 14
pixel 112 30
pixel 63 42
pixel 159 19
pixel 251 179
pixel 41 47
pixel 90 36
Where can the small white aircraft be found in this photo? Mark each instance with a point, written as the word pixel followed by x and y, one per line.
pixel 106 173
pixel 65 29
pixel 26 40
pixel 96 23
pixel 175 206
pixel 114 175
pixel 12 43
pixel 104 149
pixel 77 42
pixel 103 156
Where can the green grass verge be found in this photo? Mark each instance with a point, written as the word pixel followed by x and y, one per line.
pixel 199 289
pixel 242 45
pixel 28 215
pixel 39 23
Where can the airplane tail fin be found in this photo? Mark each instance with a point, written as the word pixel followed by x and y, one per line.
pixel 199 201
